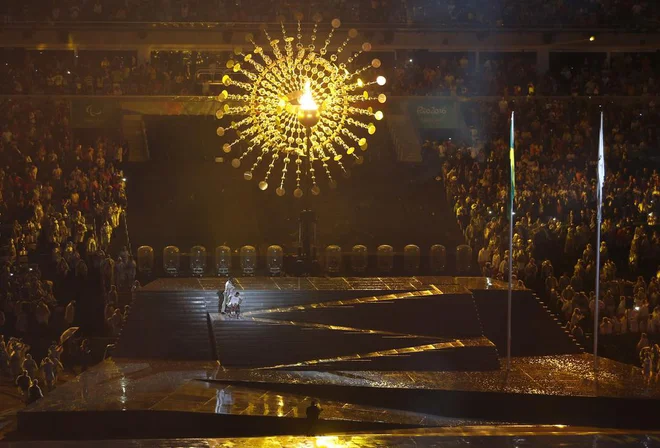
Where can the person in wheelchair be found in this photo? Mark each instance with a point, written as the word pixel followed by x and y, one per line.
pixel 234 306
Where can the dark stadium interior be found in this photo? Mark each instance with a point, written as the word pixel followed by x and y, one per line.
pixel 329 223
pixel 184 198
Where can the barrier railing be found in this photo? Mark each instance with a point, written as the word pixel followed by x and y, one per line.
pixel 412 260
pixel 405 24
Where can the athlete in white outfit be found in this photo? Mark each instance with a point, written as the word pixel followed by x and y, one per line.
pixel 228 293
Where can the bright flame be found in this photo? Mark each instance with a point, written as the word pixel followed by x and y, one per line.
pixel 307 100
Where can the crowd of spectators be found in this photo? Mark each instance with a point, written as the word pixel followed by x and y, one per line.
pixel 367 11
pixel 44 73
pixel 27 372
pixel 517 75
pixel 555 219
pixel 61 215
pixel 535 13
pixel 631 14
pixel 457 75
pixel 496 75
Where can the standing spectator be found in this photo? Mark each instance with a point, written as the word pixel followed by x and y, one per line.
pixel 70 313
pixel 23 382
pixel 643 342
pixel 113 296
pixel 48 372
pixel 313 413
pixel 30 366
pixel 42 314
pixel 85 354
pixel 116 322
pixel 34 393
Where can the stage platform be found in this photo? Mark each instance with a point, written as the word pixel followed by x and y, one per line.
pixel 380 353
pixel 117 397
pixel 147 399
pixel 390 323
pixel 487 436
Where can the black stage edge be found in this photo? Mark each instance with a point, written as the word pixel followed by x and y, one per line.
pixel 147 424
pixel 605 412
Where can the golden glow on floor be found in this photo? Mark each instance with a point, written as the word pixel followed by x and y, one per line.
pixel 370 299
pixel 338 328
pixel 542 436
pixel 367 356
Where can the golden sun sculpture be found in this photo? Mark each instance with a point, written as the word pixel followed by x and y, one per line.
pixel 299 107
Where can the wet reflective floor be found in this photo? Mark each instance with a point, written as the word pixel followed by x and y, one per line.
pixel 172 386
pixel 483 436
pixel 569 375
pixel 139 385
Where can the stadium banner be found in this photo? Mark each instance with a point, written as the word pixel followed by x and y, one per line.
pixel 95 113
pixel 106 112
pixel 204 106
pixel 433 113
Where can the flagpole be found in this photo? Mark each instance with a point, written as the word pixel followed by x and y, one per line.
pixel 511 194
pixel 597 295
pixel 599 200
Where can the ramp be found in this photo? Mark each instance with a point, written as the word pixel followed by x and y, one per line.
pixel 172 325
pixel 418 330
pixel 534 330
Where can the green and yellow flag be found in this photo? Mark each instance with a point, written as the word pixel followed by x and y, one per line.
pixel 512 160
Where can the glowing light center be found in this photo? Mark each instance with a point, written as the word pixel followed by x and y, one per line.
pixel 307 99
pixel 298 103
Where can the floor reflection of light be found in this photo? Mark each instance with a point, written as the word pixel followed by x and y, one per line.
pixel 123 399
pixel 327 442
pixel 280 406
pixel 365 356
